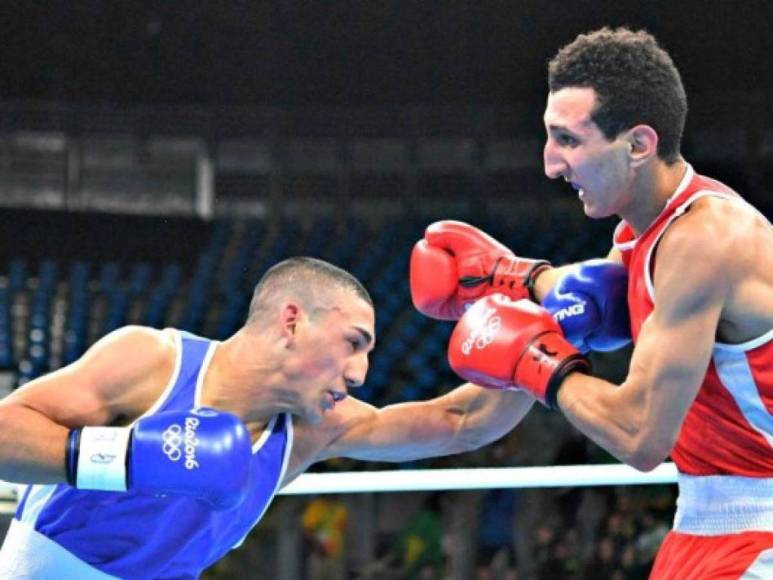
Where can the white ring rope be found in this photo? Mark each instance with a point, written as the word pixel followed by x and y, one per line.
pixel 478 478
pixel 450 479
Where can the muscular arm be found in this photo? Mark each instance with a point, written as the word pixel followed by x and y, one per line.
pixel 698 265
pixel 464 419
pixel 111 381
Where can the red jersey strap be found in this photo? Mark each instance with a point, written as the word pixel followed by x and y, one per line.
pixel 624 241
pixel 624 238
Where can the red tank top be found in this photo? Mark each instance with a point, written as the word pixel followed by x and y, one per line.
pixel 728 429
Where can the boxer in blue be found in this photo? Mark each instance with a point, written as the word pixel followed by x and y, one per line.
pixel 155 454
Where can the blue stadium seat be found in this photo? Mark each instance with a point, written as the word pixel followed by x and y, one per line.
pixel 140 278
pixel 17 275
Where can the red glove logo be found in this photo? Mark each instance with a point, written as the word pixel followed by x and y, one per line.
pixel 484 331
pixel 542 354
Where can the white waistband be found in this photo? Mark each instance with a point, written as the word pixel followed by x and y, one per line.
pixel 723 504
pixel 29 555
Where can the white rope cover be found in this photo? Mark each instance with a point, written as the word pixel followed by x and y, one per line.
pixel 449 479
pixel 478 478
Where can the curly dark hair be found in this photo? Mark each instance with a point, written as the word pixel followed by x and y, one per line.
pixel 635 82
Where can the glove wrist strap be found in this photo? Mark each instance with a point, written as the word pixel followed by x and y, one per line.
pixel 531 278
pixel 545 365
pixel 101 458
pixel 516 277
pixel 576 362
pixel 72 452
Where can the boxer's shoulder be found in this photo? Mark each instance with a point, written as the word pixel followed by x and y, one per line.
pixel 134 349
pixel 712 215
pixel 714 233
pixel 130 367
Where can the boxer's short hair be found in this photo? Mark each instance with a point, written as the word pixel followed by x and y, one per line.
pixel 306 279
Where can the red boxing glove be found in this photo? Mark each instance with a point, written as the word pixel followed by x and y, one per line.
pixel 456 264
pixel 503 344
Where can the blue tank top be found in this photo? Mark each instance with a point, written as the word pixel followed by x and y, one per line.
pixel 133 535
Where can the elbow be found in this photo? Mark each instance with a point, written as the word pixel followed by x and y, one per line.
pixel 648 455
pixel 645 462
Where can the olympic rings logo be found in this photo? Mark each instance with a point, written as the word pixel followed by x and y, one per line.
pixel 484 333
pixel 173 440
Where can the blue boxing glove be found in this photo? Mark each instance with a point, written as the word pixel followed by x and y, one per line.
pixel 200 453
pixel 591 305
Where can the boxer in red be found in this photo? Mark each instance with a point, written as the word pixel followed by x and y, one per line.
pixel 700 297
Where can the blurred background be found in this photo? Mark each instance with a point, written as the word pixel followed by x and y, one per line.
pixel 157 157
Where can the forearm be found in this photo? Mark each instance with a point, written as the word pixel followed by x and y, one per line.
pixel 462 420
pixel 486 415
pixel 614 417
pixel 32 447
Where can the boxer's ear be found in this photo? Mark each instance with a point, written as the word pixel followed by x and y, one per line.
pixel 642 144
pixel 288 318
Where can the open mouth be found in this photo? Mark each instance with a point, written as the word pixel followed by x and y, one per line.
pixel 334 397
pixel 577 187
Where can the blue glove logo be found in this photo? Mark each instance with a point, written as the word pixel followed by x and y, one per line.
pixel 577 309
pixel 175 442
pixel 191 423
pixel 172 439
